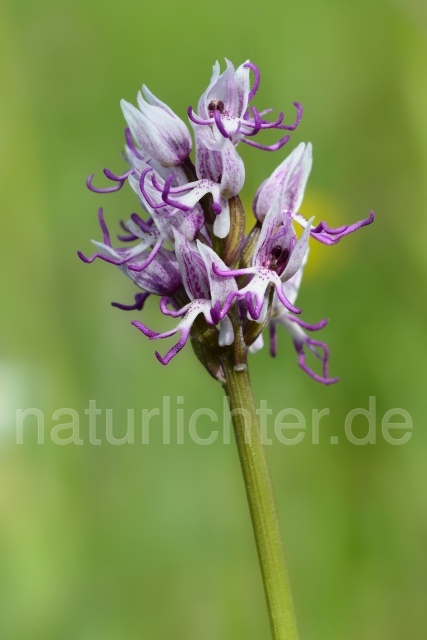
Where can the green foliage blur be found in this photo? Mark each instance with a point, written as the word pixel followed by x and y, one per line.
pixel 103 542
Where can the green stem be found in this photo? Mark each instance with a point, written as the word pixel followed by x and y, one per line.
pixel 261 501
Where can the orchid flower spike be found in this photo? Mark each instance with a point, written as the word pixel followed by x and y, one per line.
pixel 187 243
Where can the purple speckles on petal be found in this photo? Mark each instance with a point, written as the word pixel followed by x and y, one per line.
pixel 158 131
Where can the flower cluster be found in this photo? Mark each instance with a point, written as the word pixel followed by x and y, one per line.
pixel 188 244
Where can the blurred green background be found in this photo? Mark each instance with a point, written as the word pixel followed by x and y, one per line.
pixel 125 542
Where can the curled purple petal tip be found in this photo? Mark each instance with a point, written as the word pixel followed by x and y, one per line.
pixel 145 330
pixel 138 305
pixel 256 84
pixel 272 147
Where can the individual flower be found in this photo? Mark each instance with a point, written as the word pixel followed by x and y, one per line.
pixel 139 230
pixel 134 155
pixel 224 106
pixel 160 275
pixel 289 180
pixel 207 293
pixel 220 171
pixel 157 129
pixel 277 257
pixel 169 214
pixel 295 326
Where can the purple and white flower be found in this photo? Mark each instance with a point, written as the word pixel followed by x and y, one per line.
pixel 277 257
pixel 297 328
pixel 220 171
pixel 159 277
pixel 290 180
pixel 157 129
pixel 224 107
pixel 207 294
pixel 169 214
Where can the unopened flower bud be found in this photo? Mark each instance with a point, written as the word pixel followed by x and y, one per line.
pixel 157 129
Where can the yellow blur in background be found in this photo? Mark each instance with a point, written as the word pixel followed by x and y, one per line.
pixel 103 542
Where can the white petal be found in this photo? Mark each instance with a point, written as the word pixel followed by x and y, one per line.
pixel 220 287
pixel 298 254
pixel 226 334
pixel 221 226
pixel 257 345
pixel 192 268
pixel 203 102
pixel 297 181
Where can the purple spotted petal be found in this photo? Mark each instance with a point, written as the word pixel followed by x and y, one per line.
pixel 192 268
pixel 288 180
pixel 220 288
pixel 158 131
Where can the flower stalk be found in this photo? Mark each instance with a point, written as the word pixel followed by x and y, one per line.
pixel 261 500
